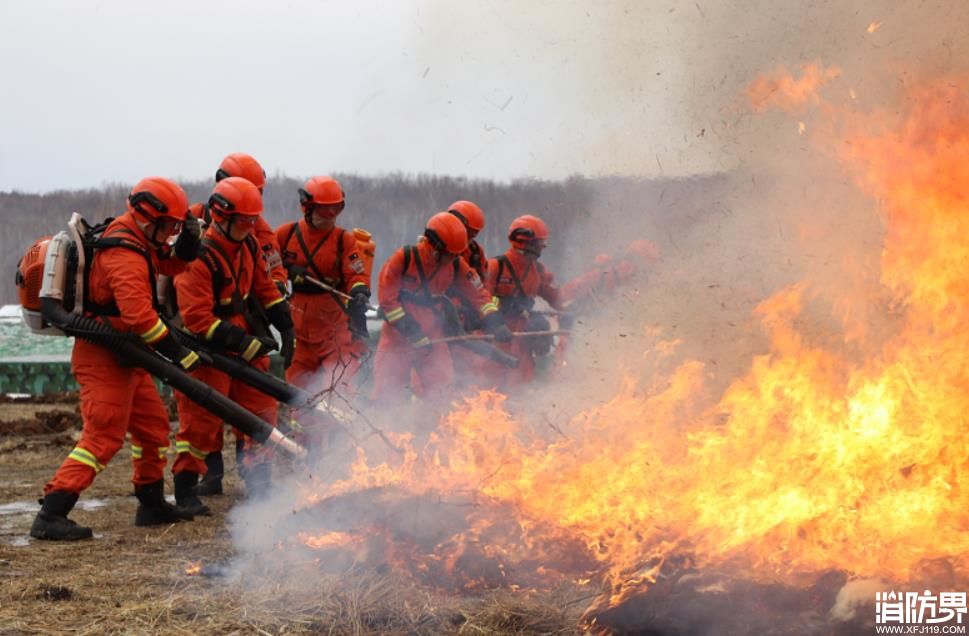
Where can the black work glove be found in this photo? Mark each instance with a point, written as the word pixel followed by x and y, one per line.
pixel 253 347
pixel 288 348
pixel 357 311
pixel 185 358
pixel 189 239
pixel 494 324
pixel 412 331
pixel 229 337
pixel 296 273
pixel 280 316
pixel 281 288
pixel 539 345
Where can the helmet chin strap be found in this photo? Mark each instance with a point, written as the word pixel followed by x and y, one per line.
pixel 153 224
pixel 308 216
pixel 524 251
pixel 227 232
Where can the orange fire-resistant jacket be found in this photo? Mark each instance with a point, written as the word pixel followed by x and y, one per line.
pixel 197 301
pixel 475 257
pixel 516 276
pixel 265 237
pixel 413 282
pixel 123 277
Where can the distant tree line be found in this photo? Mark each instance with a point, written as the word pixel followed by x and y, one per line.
pixel 582 213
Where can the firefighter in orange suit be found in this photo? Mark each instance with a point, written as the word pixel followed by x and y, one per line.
pixel 212 295
pixel 117 399
pixel 474 222
pixel 584 292
pixel 413 282
pixel 516 278
pixel 467 363
pixel 331 333
pixel 239 164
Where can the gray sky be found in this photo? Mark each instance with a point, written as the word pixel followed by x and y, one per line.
pixel 97 91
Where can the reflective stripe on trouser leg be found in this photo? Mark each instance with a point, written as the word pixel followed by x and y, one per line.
pixel 149 429
pixel 199 431
pixel 107 393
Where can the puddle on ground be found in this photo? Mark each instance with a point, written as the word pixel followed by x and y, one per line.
pixel 31 507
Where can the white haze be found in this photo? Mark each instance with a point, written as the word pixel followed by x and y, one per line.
pixel 643 90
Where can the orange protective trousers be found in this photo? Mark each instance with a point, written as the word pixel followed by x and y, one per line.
pixel 115 400
pixel 200 432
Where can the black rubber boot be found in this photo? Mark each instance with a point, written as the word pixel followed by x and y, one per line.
pixel 211 483
pixel 153 510
pixel 51 522
pixel 258 480
pixel 186 497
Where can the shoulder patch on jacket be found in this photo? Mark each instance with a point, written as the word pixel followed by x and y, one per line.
pixel 474 279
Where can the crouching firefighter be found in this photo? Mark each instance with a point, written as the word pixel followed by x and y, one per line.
pixel 516 278
pixel 212 299
pixel 117 286
pixel 413 284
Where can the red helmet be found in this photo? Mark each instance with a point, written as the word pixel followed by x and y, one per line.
pixel 447 233
pixel 321 190
pixel 469 213
pixel 239 164
pixel 526 229
pixel 158 197
pixel 235 195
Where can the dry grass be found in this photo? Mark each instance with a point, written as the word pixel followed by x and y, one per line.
pixel 133 580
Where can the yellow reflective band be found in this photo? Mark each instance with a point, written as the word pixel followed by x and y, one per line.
pixel 489 308
pixel 251 350
pixel 184 447
pixel 190 359
pixel 394 314
pixel 155 333
pixel 357 284
pixel 162 451
pixel 136 452
pixel 274 303
pixel 211 329
pixel 82 456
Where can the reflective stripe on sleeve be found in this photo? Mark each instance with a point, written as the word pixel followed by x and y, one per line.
pixel 490 307
pixel 155 333
pixel 211 329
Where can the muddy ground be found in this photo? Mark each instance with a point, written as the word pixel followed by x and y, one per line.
pixel 133 580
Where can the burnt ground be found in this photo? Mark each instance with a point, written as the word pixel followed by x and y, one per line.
pixel 133 580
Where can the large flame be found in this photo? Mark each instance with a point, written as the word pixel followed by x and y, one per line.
pixel 819 457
